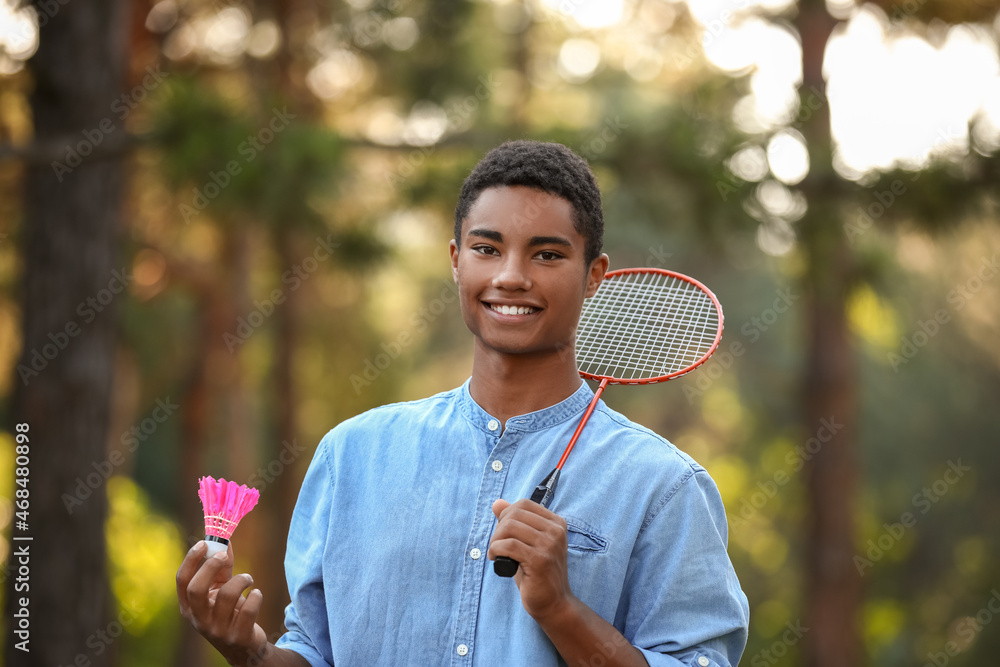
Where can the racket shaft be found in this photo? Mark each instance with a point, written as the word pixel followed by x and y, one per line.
pixel 507 567
pixel 583 422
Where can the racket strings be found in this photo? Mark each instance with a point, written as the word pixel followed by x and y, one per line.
pixel 637 344
pixel 645 325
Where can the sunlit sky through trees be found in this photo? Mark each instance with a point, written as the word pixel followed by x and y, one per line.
pixel 898 98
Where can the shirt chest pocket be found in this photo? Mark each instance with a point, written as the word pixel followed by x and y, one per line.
pixel 584 539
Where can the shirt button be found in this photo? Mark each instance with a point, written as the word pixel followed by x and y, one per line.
pixel 493 425
pixel 475 553
pixel 462 649
pixel 703 661
pixel 497 466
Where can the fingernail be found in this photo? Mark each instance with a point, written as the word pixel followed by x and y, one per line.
pixel 222 555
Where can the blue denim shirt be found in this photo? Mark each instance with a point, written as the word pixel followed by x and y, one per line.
pixel 386 559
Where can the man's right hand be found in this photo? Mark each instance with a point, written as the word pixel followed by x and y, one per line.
pixel 211 600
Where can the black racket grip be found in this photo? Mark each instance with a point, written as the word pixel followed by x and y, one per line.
pixel 506 566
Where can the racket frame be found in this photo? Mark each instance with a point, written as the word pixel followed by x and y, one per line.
pixel 669 376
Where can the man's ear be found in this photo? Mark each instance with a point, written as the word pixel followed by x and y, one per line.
pixel 453 250
pixel 595 274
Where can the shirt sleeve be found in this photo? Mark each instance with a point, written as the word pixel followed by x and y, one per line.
pixel 684 604
pixel 306 615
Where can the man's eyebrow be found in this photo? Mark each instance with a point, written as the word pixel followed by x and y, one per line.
pixel 488 234
pixel 549 240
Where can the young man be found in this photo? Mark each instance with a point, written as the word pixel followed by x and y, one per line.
pixel 404 506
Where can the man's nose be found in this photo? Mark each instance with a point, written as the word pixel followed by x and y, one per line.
pixel 512 274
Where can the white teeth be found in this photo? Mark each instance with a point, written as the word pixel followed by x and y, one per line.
pixel 513 310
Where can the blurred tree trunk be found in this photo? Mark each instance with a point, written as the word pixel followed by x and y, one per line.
pixel 833 592
pixel 72 219
pixel 521 63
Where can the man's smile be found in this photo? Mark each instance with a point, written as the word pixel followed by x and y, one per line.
pixel 511 308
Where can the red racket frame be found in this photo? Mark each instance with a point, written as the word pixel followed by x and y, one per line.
pixel 605 380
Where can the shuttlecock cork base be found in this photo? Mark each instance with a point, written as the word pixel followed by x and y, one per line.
pixel 224 503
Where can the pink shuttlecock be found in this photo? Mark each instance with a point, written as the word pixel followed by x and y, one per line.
pixel 225 503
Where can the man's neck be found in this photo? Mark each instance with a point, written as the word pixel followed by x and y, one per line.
pixel 507 385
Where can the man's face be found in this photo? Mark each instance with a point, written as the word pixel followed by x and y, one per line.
pixel 521 273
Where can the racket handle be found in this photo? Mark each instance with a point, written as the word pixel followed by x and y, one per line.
pixel 505 566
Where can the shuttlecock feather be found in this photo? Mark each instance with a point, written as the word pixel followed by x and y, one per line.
pixel 225 503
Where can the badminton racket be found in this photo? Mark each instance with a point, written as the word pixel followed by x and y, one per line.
pixel 643 326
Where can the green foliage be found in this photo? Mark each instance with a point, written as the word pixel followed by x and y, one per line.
pixel 197 130
pixel 268 166
pixel 443 62
pixel 142 571
pixel 360 250
pixel 935 197
pixel 949 11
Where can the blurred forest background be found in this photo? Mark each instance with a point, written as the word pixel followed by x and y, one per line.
pixel 224 228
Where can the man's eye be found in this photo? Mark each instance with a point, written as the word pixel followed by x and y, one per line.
pixel 485 249
pixel 548 255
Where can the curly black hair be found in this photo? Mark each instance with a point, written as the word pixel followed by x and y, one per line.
pixel 549 167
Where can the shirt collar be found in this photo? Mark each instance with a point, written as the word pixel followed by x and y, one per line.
pixel 539 420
